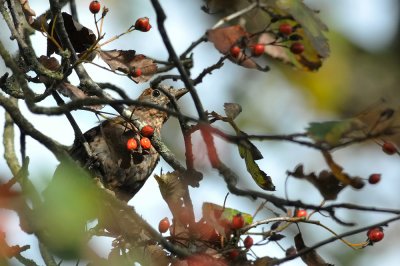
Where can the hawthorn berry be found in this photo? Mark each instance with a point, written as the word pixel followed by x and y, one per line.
pixel 297 48
pixel 237 221
pixel 257 49
pixel 145 143
pixel 94 7
pixel 147 131
pixel 301 213
pixel 235 51
pixel 375 234
pixel 389 148
pixel 374 178
pixel 136 72
pixel 248 242
pixel 285 28
pixel 214 236
pixel 143 24
pixel 233 254
pixel 163 225
pixel 131 144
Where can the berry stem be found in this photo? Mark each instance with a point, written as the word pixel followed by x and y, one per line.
pixel 97 27
pixel 102 21
pixel 118 36
pixel 235 15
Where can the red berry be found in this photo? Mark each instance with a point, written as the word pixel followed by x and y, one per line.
pixel 374 178
pixel 375 234
pixel 131 144
pixel 285 29
pixel 163 225
pixel 94 7
pixel 147 131
pixel 389 148
pixel 237 221
pixel 301 213
pixel 235 51
pixel 233 254
pixel 257 49
pixel 142 24
pixel 136 72
pixel 145 143
pixel 297 48
pixel 248 242
pixel 214 236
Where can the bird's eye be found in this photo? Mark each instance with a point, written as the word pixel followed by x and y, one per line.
pixel 156 93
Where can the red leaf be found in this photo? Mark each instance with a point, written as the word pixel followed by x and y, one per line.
pixel 224 38
pixel 127 60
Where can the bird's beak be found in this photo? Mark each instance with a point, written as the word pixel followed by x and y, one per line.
pixel 178 93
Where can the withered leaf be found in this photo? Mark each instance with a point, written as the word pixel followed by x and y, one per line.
pixel 326 183
pixel 127 60
pixel 28 11
pixel 50 63
pixel 65 88
pixel 311 258
pixel 337 171
pixel 224 38
pixel 265 261
pixel 276 237
pixel 383 120
pixel 81 37
pixel 171 188
pixel 232 110
pixel 74 93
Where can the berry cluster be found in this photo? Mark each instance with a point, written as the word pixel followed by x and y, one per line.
pixel 285 32
pixel 206 232
pixel 146 132
pixel 141 24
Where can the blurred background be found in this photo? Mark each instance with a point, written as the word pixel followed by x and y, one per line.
pixel 363 68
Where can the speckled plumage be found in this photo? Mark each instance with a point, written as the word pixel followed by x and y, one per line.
pixel 121 170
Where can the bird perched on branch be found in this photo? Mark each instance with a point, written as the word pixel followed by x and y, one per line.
pixel 123 169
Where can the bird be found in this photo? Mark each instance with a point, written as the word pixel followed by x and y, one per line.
pixel 119 169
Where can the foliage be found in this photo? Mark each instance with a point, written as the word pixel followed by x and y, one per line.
pixel 79 204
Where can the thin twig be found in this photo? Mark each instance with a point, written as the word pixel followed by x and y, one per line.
pixel 235 15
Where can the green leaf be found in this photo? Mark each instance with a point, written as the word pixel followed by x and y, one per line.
pixel 333 132
pixel 263 180
pixel 250 153
pixel 219 216
pixel 307 18
pixel 70 201
pixel 246 145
